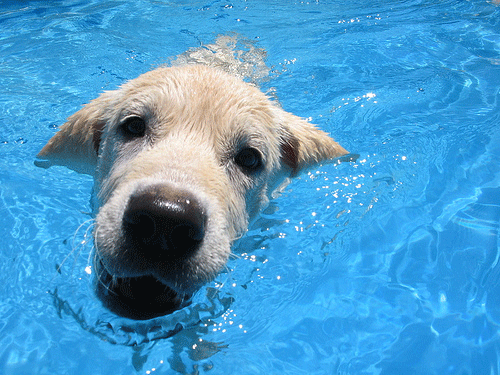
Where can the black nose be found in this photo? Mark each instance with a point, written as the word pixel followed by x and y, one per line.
pixel 163 223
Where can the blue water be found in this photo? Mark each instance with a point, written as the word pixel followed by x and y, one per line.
pixel 389 265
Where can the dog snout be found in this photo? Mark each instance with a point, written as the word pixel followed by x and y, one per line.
pixel 162 223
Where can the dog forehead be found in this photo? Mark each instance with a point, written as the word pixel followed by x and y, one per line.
pixel 199 97
pixel 191 85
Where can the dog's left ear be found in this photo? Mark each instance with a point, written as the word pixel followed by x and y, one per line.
pixel 76 144
pixel 303 144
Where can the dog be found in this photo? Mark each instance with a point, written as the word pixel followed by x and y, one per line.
pixel 183 158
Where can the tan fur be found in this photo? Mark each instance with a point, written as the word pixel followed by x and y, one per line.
pixel 197 119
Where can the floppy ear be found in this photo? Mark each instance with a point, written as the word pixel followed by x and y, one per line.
pixel 76 144
pixel 304 145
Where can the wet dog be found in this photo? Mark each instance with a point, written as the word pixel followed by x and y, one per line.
pixel 183 159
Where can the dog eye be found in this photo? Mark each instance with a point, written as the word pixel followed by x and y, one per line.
pixel 249 159
pixel 134 127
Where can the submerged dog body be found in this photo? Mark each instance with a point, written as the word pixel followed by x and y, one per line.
pixel 183 158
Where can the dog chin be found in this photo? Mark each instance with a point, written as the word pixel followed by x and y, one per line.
pixel 138 298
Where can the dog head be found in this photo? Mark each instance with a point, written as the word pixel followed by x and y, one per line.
pixel 183 158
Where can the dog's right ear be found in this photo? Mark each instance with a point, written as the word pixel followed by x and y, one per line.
pixel 76 144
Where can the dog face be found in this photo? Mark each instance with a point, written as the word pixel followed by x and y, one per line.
pixel 183 158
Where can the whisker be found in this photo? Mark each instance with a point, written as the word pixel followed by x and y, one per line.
pixel 76 248
pixel 93 262
pixel 228 272
pixel 234 256
pixel 107 281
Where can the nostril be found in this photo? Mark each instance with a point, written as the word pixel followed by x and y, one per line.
pixel 164 223
pixel 192 229
pixel 185 236
pixel 140 223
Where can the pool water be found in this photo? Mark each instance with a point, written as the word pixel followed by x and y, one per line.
pixel 386 265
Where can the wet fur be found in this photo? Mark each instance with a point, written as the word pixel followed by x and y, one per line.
pixel 198 119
